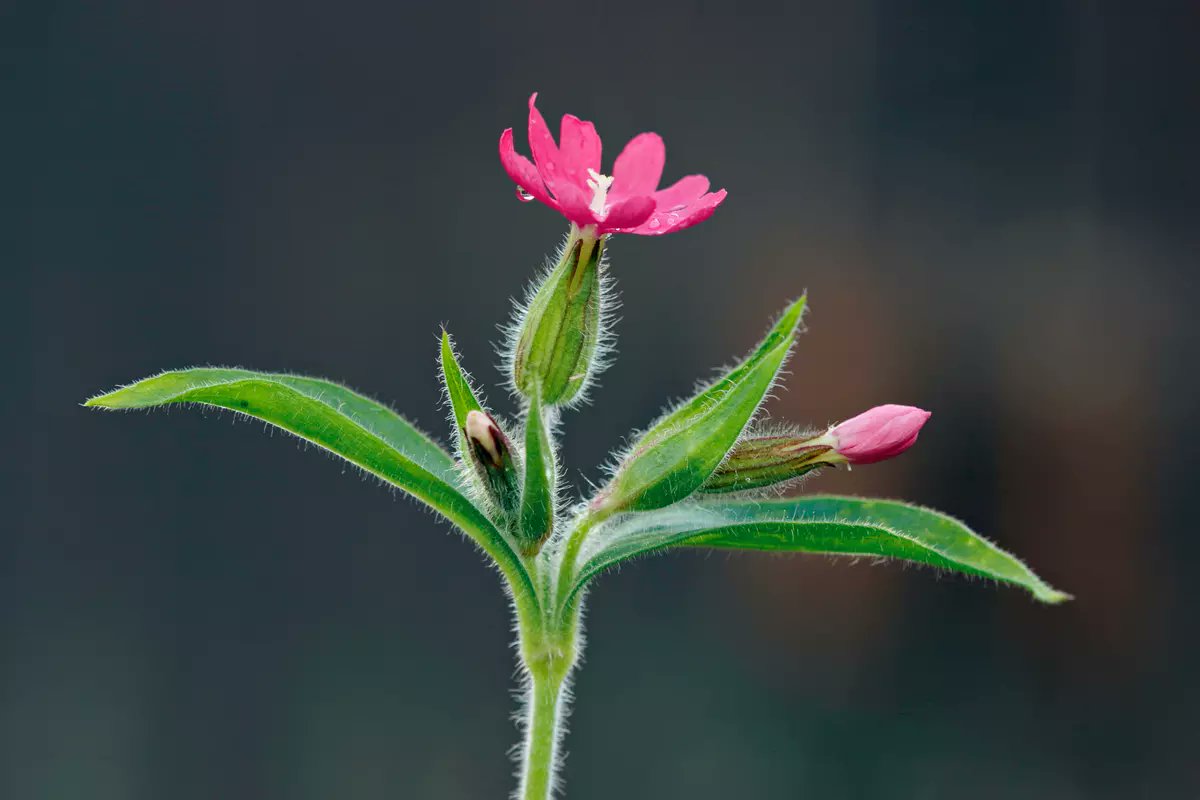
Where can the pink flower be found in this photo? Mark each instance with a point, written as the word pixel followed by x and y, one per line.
pixel 567 178
pixel 881 433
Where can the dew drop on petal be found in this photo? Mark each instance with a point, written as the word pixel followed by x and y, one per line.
pixel 523 195
pixel 654 223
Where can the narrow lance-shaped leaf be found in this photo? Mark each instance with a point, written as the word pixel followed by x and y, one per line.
pixel 784 329
pixel 313 411
pixel 818 524
pixel 678 454
pixel 370 414
pixel 380 420
pixel 537 498
pixel 458 390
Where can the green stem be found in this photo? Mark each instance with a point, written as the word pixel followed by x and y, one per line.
pixel 549 655
pixel 567 569
pixel 544 714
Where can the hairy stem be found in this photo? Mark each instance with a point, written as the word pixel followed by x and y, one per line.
pixel 545 707
pixel 567 569
pixel 549 653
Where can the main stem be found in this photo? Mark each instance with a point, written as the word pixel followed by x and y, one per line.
pixel 549 651
pixel 544 709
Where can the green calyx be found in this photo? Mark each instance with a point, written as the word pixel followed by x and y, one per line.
pixel 557 341
pixel 763 461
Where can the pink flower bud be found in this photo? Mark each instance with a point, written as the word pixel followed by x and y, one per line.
pixel 491 457
pixel 881 433
pixel 486 439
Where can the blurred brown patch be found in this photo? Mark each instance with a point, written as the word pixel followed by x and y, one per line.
pixel 1077 501
pixel 851 358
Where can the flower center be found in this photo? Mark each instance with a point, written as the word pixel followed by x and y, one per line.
pixel 599 185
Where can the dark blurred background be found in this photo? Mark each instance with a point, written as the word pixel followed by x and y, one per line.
pixel 992 206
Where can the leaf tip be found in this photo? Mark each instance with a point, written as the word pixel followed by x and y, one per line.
pixel 1051 597
pixel 106 400
pixel 793 314
pixel 445 350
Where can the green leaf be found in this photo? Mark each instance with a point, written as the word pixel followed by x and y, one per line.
pixel 458 389
pixel 678 454
pixel 334 418
pixel 537 498
pixel 784 329
pixel 818 524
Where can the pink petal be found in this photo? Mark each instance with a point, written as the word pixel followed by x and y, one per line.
pixel 700 210
pixel 881 433
pixel 574 203
pixel 522 171
pixel 545 151
pixel 683 204
pixel 681 192
pixel 628 213
pixel 639 168
pixel 578 149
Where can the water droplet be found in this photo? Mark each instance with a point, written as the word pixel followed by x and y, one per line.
pixel 654 223
pixel 523 195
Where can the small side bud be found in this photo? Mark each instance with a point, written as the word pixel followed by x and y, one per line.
pixel 761 461
pixel 492 459
pixel 558 336
pixel 883 432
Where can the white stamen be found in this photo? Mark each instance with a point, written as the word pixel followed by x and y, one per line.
pixel 599 185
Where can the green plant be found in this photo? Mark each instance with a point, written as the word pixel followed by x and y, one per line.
pixel 704 475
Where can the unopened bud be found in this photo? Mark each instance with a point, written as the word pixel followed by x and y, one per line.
pixel 881 433
pixel 761 461
pixel 557 340
pixel 492 458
